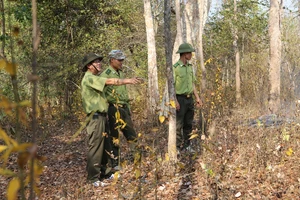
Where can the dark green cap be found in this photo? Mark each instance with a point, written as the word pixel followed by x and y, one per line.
pixel 185 48
pixel 88 58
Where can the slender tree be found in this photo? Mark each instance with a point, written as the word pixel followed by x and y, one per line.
pixel 168 50
pixel 179 36
pixel 152 63
pixel 33 79
pixel 203 9
pixel 237 56
pixel 275 55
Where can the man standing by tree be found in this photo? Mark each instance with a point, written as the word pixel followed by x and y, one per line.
pixel 95 104
pixel 184 79
pixel 118 99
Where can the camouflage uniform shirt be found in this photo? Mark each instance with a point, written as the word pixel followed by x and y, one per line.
pixel 93 97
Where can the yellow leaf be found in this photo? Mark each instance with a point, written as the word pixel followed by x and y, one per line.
pixel 162 119
pixel 6 104
pixel 4 137
pixel 167 157
pixel 289 152
pixel 181 165
pixel 13 188
pixel 116 176
pixel 193 136
pixel 124 124
pixel 117 114
pixel 116 141
pixel 8 66
pixel 137 173
pixel 139 135
pixel 6 172
pixel 5 156
pixel 208 61
pixel 36 189
pixel 2 148
pixel 2 64
pixel 104 134
pixel 154 129
pixel 147 148
pixel 137 157
pixel 25 103
pixel 38 168
pixel 173 104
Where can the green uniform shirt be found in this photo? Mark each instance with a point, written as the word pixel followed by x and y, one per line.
pixel 93 96
pixel 115 94
pixel 183 77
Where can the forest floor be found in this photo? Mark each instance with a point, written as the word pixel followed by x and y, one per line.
pixel 232 161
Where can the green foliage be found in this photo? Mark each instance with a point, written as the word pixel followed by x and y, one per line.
pixel 252 27
pixel 70 29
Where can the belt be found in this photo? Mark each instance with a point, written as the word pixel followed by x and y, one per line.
pixel 96 114
pixel 119 105
pixel 184 95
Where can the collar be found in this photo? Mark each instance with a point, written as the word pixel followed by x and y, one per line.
pixel 181 63
pixel 113 70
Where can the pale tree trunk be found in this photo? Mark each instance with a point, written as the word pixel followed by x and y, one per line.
pixel 237 59
pixel 172 117
pixel 152 63
pixel 203 10
pixel 189 21
pixel 179 36
pixel 275 55
pixel 195 16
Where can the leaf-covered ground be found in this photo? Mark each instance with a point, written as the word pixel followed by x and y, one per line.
pixel 233 161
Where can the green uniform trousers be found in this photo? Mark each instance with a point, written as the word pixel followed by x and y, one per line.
pixel 184 120
pixel 97 158
pixel 128 131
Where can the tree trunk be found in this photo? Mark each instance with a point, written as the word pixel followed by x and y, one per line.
pixel 189 22
pixel 237 59
pixel 202 15
pixel 152 63
pixel 275 55
pixel 179 36
pixel 35 44
pixel 168 49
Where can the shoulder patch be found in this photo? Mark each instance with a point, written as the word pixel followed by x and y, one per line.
pixel 176 65
pixel 108 72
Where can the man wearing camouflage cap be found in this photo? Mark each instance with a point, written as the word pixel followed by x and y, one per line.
pixel 95 105
pixel 184 80
pixel 118 100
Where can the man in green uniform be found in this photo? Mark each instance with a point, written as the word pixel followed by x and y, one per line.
pixel 95 104
pixel 117 97
pixel 184 79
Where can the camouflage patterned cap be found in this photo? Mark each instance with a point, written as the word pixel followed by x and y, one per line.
pixel 117 54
